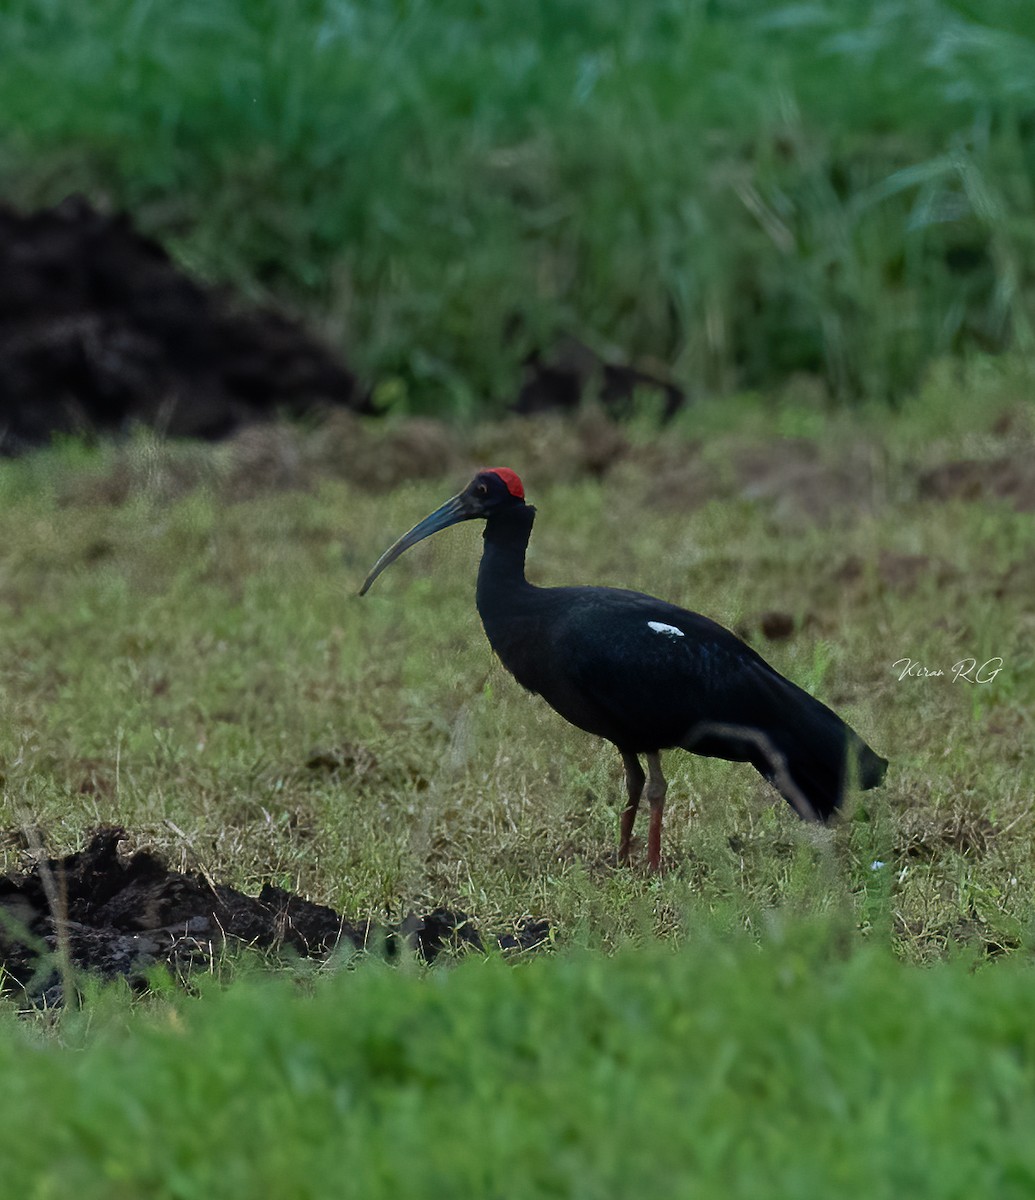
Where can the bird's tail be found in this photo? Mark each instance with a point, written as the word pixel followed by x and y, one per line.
pixel 811 763
pixel 821 779
pixel 816 765
pixel 798 744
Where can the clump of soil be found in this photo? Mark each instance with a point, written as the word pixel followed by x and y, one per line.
pixel 99 329
pixel 774 625
pixel 122 916
pixel 573 372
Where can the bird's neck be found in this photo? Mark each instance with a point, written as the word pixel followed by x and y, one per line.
pixel 502 569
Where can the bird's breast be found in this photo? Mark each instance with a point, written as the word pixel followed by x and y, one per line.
pixel 514 641
pixel 528 647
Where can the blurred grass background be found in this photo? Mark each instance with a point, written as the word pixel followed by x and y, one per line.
pixel 740 193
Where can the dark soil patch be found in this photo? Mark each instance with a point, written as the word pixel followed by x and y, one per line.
pixel 99 330
pixel 790 477
pixel 572 373
pixel 1010 478
pixel 775 626
pixel 894 572
pixel 122 916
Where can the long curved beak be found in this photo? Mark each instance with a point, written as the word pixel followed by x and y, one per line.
pixel 452 512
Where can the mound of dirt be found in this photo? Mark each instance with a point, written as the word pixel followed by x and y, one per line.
pixel 99 330
pixel 122 916
pixel 571 373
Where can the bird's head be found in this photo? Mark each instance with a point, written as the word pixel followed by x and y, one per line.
pixel 492 490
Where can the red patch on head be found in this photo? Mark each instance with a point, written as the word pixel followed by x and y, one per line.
pixel 510 478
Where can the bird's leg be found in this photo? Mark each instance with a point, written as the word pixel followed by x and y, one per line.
pixel 634 780
pixel 656 791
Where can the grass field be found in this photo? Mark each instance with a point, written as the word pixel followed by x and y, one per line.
pixel 801 1068
pixel 181 632
pixel 817 217
pixel 738 193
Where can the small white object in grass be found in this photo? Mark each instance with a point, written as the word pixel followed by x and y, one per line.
pixel 876 865
pixel 668 630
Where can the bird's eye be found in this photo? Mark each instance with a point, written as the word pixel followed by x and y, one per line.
pixel 483 489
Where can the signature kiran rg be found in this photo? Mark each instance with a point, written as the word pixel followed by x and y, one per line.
pixel 967 670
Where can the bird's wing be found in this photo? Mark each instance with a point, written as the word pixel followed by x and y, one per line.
pixel 648 675
pixel 658 671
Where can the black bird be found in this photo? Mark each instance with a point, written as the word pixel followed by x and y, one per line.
pixel 645 674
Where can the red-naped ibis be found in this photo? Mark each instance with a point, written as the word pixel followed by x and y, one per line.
pixel 644 674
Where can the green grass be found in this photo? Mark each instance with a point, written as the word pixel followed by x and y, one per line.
pixel 831 190
pixel 179 637
pixel 745 195
pixel 802 1067
pixel 180 630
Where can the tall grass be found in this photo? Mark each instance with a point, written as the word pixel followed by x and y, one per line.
pixel 742 192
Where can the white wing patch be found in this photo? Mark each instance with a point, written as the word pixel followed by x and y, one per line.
pixel 668 630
